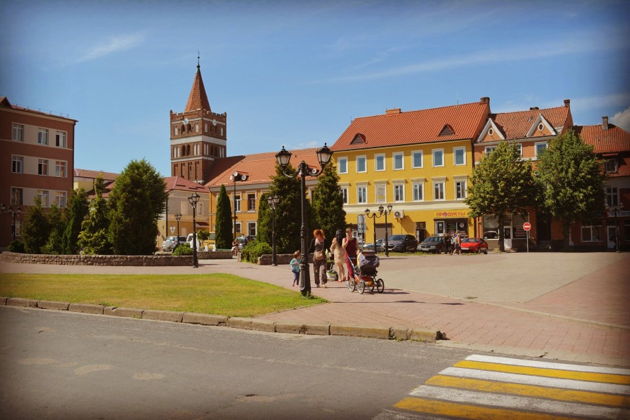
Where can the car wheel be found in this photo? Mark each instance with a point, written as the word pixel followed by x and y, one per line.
pixel 485 251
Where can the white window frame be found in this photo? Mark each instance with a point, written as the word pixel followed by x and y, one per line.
pixel 344 195
pixel 61 139
pixel 362 187
pixel 384 160
pixel 465 191
pixel 536 146
pixel 61 199
pixel 254 209
pixel 249 225
pixel 489 149
pixel 61 165
pixel 401 187
pixel 413 162
pixel 237 228
pixel 377 187
pixel 519 146
pixel 417 186
pixel 590 228
pixel 455 149
pixel 236 200
pixel 17 162
pixel 17 132
pixel 611 196
pixel 356 162
pixel 44 196
pixel 433 152
pixel 345 163
pixel 41 165
pixel 42 136
pixel 443 190
pixel 402 161
pixel 611 162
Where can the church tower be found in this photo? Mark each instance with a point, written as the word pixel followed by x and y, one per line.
pixel 198 135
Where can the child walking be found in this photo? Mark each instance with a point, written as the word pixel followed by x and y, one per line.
pixel 295 267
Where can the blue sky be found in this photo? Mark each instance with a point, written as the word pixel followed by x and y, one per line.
pixel 296 73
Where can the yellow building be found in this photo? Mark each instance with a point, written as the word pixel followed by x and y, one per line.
pixel 419 162
pixel 85 178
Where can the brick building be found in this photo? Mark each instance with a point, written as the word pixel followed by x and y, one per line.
pixel 36 160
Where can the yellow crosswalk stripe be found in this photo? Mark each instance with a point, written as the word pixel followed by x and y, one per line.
pixel 553 373
pixel 468 411
pixel 531 391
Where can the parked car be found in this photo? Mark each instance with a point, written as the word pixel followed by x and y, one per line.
pixel 490 234
pixel 434 244
pixel 171 242
pixel 402 243
pixel 369 246
pixel 474 245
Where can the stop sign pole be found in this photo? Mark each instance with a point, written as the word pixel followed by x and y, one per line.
pixel 527 227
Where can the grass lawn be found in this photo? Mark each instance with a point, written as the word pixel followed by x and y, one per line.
pixel 221 294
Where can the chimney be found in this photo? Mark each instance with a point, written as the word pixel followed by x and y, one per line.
pixel 484 100
pixel 533 108
pixel 392 111
pixel 605 122
pixel 567 102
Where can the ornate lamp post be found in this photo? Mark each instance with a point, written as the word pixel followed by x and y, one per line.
pixel 178 217
pixel 273 202
pixel 374 216
pixel 242 177
pixel 386 212
pixel 193 200
pixel 15 211
pixel 303 170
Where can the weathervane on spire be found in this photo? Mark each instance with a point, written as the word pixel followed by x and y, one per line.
pixel 197 59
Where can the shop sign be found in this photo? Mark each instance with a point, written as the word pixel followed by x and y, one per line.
pixel 451 214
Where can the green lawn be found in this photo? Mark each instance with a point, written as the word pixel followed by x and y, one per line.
pixel 221 294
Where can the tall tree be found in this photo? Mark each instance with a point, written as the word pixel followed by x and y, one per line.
pixel 57 222
pixel 288 210
pixel 77 210
pixel 501 183
pixel 137 201
pixel 329 214
pixel 571 181
pixel 94 238
pixel 265 214
pixel 36 228
pixel 223 228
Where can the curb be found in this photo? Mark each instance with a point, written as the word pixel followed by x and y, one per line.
pixel 255 324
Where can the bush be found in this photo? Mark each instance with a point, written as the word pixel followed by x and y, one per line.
pixel 255 249
pixel 183 249
pixel 16 246
pixel 203 235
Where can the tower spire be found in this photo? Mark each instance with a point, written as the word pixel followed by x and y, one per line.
pixel 197 99
pixel 198 67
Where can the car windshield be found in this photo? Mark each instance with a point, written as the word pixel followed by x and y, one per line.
pixel 470 240
pixel 433 239
pixel 397 237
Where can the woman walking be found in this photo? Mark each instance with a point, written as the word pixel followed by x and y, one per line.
pixel 339 253
pixel 319 257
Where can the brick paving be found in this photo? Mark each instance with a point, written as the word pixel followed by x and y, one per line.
pixel 582 316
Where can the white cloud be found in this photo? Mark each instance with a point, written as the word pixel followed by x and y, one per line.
pixel 603 101
pixel 114 44
pixel 622 119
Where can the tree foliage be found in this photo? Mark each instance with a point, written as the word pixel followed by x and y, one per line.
pixel 77 210
pixel 36 228
pixel 288 211
pixel 137 200
pixel 328 211
pixel 57 222
pixel 501 183
pixel 223 226
pixel 94 238
pixel 571 181
pixel 265 220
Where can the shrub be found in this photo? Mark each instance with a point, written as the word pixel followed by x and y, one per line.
pixel 16 246
pixel 183 249
pixel 203 235
pixel 255 249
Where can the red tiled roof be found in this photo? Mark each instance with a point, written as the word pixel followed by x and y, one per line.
pixel 181 184
pixel 515 125
pixel 88 173
pixel 614 139
pixel 4 101
pixel 423 126
pixel 197 99
pixel 260 167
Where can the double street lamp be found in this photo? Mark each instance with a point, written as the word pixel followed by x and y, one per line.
pixel 374 216
pixel 273 201
pixel 236 177
pixel 303 170
pixel 193 200
pixel 15 211
pixel 178 217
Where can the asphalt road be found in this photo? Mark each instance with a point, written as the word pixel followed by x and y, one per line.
pixel 68 365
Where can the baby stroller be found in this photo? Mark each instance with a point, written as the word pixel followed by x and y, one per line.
pixel 365 276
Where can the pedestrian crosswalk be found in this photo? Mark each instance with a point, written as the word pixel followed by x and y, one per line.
pixel 488 387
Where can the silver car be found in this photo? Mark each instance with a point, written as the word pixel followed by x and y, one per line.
pixel 171 242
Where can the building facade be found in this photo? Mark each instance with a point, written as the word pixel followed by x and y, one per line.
pixel 177 206
pixel 36 160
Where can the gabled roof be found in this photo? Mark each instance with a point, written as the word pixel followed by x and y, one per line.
pixel 197 99
pixel 517 125
pixel 88 173
pixel 181 184
pixel 612 140
pixel 260 167
pixel 423 126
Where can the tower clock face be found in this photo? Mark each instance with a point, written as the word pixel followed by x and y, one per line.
pixel 185 120
pixel 214 122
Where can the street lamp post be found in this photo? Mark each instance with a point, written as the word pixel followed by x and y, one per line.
pixel 242 177
pixel 273 202
pixel 178 217
pixel 303 170
pixel 374 216
pixel 193 200
pixel 14 210
pixel 387 212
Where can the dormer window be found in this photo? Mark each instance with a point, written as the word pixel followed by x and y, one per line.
pixel 490 131
pixel 447 130
pixel 358 139
pixel 611 166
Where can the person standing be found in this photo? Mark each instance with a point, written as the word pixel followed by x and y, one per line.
pixel 339 253
pixel 319 257
pixel 350 245
pixel 295 267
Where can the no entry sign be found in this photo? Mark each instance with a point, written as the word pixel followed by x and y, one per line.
pixel 527 226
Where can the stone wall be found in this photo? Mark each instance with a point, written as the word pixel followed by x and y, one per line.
pixel 281 259
pixel 111 260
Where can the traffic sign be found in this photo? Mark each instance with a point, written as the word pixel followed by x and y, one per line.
pixel 527 226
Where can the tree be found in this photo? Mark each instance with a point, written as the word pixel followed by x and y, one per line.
pixel 265 214
pixel 571 182
pixel 501 183
pixel 57 222
pixel 329 214
pixel 94 238
pixel 77 210
pixel 223 228
pixel 288 219
pixel 36 228
pixel 136 202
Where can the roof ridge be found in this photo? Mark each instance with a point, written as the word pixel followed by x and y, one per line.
pixel 421 110
pixel 529 110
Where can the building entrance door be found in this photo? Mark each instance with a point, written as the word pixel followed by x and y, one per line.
pixel 507 237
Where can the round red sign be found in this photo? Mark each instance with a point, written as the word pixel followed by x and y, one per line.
pixel 527 226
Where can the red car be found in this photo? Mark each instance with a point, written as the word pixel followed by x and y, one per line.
pixel 474 245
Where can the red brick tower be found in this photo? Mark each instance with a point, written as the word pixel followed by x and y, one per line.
pixel 198 136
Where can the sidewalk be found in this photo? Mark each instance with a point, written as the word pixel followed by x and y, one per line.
pixel 577 317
